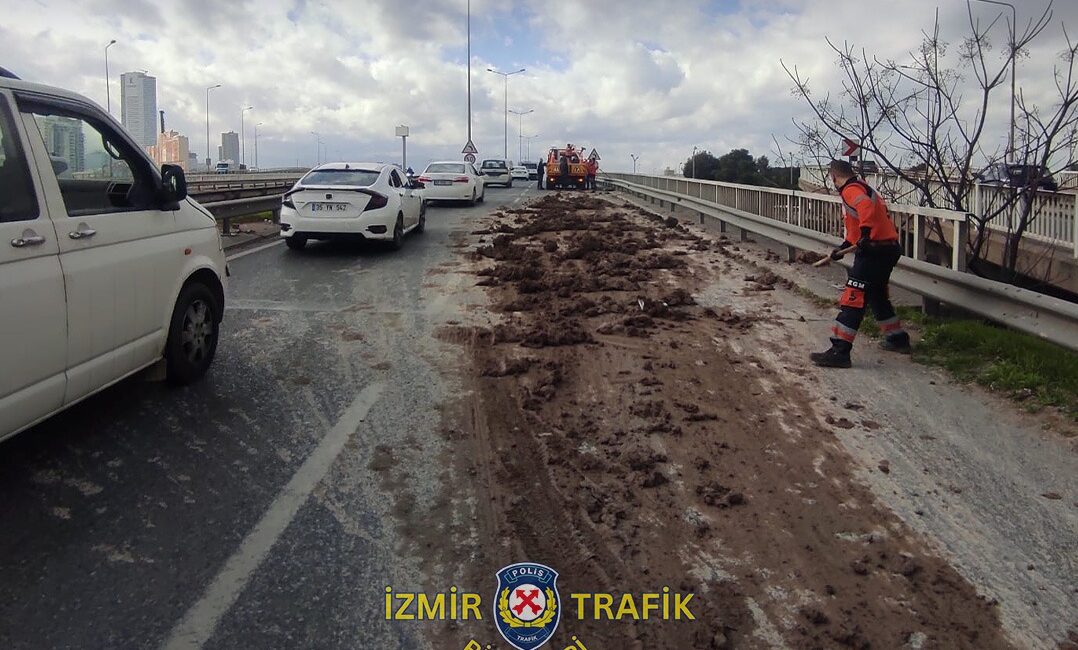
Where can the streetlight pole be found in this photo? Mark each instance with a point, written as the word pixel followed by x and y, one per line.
pixel 694 161
pixel 469 30
pixel 317 147
pixel 635 158
pixel 208 157
pixel 256 142
pixel 1014 62
pixel 505 137
pixel 520 130
pixel 243 157
pixel 528 139
pixel 108 90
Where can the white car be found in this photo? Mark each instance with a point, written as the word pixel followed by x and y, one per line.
pixel 453 181
pixel 519 173
pixel 496 170
pixel 359 200
pixel 106 266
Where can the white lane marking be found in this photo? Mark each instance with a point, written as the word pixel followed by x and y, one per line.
pixel 200 621
pixel 250 251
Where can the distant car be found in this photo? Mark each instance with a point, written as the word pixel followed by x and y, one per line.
pixel 453 181
pixel 1014 175
pixel 533 170
pixel 352 200
pixel 520 172
pixel 496 170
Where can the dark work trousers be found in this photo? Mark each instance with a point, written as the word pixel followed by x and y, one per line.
pixel 539 175
pixel 866 286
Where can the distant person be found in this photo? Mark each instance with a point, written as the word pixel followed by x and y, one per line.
pixel 593 169
pixel 540 169
pixel 870 229
pixel 563 168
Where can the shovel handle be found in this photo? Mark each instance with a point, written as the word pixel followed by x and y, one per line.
pixel 827 260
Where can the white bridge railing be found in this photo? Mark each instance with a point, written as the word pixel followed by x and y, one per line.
pixel 1055 214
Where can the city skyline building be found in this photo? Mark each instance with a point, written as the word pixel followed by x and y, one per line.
pixel 138 107
pixel 64 139
pixel 229 148
pixel 172 149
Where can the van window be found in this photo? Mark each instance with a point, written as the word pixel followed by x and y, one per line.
pixel 95 168
pixel 17 200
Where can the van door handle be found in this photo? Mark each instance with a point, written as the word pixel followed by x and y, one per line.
pixel 82 234
pixel 28 240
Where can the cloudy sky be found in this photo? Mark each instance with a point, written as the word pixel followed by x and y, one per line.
pixel 648 77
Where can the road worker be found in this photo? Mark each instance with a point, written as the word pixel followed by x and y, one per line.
pixel 540 169
pixel 868 227
pixel 593 169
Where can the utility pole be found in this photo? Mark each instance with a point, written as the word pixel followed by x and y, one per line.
pixel 520 130
pixel 108 89
pixel 635 158
pixel 317 147
pixel 469 29
pixel 208 157
pixel 694 161
pixel 243 157
pixel 505 137
pixel 402 133
pixel 256 143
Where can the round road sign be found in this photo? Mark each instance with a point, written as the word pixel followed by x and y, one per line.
pixel 469 157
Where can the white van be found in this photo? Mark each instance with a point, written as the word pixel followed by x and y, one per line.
pixel 106 267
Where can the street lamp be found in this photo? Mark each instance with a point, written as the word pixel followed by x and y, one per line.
pixel 1014 61
pixel 635 158
pixel 694 161
pixel 108 91
pixel 520 132
pixel 402 133
pixel 317 148
pixel 208 158
pixel 505 76
pixel 243 158
pixel 528 139
pixel 256 143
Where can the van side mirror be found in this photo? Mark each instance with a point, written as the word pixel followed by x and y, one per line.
pixel 173 184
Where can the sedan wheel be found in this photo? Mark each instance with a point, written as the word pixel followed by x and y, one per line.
pixel 398 234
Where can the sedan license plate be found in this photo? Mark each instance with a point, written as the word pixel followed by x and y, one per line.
pixel 443 182
pixel 329 207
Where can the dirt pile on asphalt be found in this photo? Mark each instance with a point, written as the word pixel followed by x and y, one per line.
pixel 629 437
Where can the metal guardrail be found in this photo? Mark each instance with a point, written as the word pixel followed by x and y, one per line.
pixel 1026 311
pixel 225 211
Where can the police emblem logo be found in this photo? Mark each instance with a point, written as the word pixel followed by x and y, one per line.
pixel 527 608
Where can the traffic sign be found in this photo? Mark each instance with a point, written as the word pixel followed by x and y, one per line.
pixel 469 148
pixel 851 147
pixel 469 157
pixel 594 155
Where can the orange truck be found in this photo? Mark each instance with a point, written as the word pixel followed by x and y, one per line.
pixel 572 174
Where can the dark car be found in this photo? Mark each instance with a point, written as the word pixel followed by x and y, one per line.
pixel 1016 175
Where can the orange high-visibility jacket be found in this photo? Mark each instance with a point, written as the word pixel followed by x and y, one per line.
pixel 863 207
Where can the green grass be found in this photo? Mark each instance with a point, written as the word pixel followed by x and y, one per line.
pixel 1022 366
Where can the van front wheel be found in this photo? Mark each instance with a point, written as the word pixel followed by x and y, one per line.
pixel 192 334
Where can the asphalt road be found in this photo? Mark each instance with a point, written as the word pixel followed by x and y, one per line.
pixel 241 511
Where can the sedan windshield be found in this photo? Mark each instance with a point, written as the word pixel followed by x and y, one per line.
pixel 445 168
pixel 350 177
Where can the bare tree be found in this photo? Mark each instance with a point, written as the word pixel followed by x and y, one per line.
pixel 923 121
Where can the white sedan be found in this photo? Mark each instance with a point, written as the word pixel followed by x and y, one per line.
pixel 453 181
pixel 519 173
pixel 352 200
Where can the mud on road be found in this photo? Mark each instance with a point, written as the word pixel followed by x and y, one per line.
pixel 619 432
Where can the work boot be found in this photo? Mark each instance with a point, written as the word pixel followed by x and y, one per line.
pixel 899 344
pixel 832 358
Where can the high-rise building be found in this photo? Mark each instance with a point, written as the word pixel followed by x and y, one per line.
pixel 65 141
pixel 171 149
pixel 138 107
pixel 230 147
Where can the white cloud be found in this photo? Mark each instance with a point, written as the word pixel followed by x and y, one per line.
pixel 651 78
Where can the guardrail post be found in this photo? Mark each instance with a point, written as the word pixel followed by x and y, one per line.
pixel 226 226
pixel 789 208
pixel 1074 225
pixel 958 246
pixel 744 234
pixel 800 210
